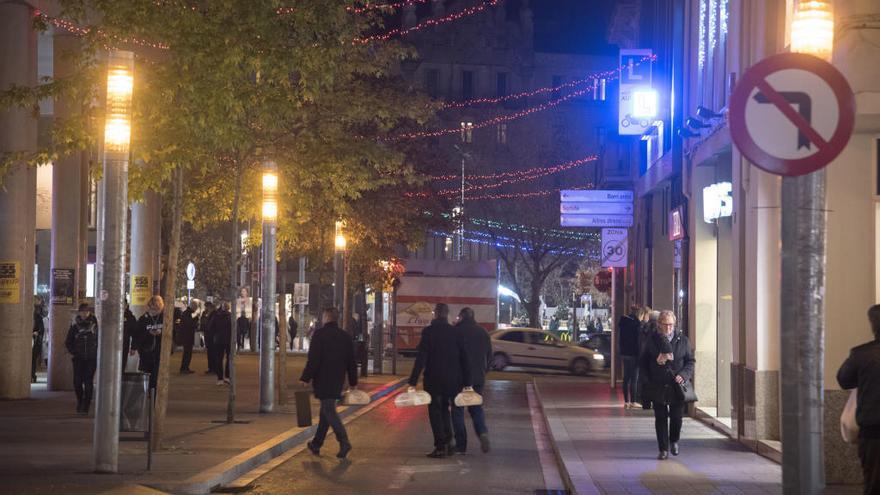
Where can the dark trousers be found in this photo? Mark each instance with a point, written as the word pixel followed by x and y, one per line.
pixel 478 416
pixel 187 356
pixel 441 420
pixel 36 357
pixel 222 350
pixel 328 418
pixel 150 364
pixel 84 380
pixel 239 338
pixel 667 423
pixel 630 378
pixel 211 352
pixel 869 454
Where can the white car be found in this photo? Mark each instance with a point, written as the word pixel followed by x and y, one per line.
pixel 531 347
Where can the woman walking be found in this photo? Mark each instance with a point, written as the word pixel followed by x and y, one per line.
pixel 666 362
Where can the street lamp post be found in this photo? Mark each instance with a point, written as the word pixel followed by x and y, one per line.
pixel 339 244
pixel 111 258
pixel 267 318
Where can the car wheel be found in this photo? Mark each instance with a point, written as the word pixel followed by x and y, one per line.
pixel 499 361
pixel 580 367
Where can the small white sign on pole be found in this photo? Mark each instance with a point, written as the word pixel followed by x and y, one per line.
pixel 300 294
pixel 614 248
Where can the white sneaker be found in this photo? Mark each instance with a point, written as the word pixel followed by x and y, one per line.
pixel 226 381
pixel 220 382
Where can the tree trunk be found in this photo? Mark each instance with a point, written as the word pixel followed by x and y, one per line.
pixel 533 310
pixel 233 296
pixel 162 383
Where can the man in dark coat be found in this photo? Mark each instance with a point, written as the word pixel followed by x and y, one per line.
pixel 479 353
pixel 221 329
pixel 129 329
pixel 187 334
pixel 205 324
pixel 82 343
pixel 331 357
pixel 862 369
pixel 443 357
pixel 39 334
pixel 628 348
pixel 667 361
pixel 148 337
pixel 292 327
pixel 242 329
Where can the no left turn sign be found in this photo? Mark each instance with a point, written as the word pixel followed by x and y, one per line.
pixel 792 114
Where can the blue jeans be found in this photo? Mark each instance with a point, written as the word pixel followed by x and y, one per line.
pixel 329 418
pixel 458 426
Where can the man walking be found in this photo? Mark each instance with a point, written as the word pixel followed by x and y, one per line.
pixel 187 336
pixel 242 328
pixel 331 356
pixel 82 343
pixel 221 329
pixel 206 327
pixel 479 352
pixel 149 338
pixel 443 358
pixel 39 335
pixel 628 348
pixel 862 369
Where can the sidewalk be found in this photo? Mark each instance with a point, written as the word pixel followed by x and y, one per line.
pixel 47 448
pixel 605 449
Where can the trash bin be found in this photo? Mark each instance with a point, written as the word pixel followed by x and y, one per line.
pixel 303 399
pixel 134 414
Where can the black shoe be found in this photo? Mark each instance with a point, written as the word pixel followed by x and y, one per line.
pixel 437 454
pixel 663 455
pixel 314 449
pixel 484 442
pixel 186 372
pixel 344 450
pixel 674 448
pixel 451 450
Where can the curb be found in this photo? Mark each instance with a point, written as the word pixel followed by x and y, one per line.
pixel 574 474
pixel 214 477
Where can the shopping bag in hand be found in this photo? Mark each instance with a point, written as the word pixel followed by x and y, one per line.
pixel 468 397
pixel 355 397
pixel 133 363
pixel 849 429
pixel 412 397
pixel 303 401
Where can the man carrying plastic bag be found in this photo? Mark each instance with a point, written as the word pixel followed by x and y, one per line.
pixel 443 358
pixel 479 348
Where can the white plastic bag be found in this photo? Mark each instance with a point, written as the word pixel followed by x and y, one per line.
pixel 412 397
pixel 355 397
pixel 849 429
pixel 468 397
pixel 133 363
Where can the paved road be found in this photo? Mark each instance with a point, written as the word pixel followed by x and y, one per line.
pixel 389 455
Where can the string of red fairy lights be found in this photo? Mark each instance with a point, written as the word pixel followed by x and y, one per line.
pixel 523 178
pixel 385 6
pixel 515 173
pixel 83 31
pixel 428 23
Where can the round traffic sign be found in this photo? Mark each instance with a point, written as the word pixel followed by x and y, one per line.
pixel 191 271
pixel 792 114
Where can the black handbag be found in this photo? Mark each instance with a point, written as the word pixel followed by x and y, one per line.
pixel 685 392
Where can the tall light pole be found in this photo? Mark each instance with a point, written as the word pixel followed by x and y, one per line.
pixel 111 258
pixel 339 244
pixel 802 313
pixel 267 288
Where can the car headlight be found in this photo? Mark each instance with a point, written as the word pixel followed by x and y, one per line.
pixel 598 357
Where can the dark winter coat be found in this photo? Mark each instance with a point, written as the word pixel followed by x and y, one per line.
pixel 187 332
pixel 292 327
pixel 862 369
pixel 243 325
pixel 82 338
pixel 443 357
pixel 660 380
pixel 39 327
pixel 205 323
pixel 221 328
pixel 479 349
pixel 331 356
pixel 145 342
pixel 628 336
pixel 129 329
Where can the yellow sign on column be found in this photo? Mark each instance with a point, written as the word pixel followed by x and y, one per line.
pixel 10 282
pixel 140 290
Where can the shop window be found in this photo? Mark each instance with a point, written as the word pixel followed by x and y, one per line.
pixel 467 132
pixel 501 137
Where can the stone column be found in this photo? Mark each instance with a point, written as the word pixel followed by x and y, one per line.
pixel 144 251
pixel 18 132
pixel 66 200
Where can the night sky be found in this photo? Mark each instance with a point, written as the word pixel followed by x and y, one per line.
pixel 571 26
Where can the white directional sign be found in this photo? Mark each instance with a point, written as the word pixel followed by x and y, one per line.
pixel 596 195
pixel 596 220
pixel 597 208
pixel 614 248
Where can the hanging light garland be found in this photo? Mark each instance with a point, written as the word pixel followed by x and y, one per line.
pixel 399 32
pixel 523 178
pixel 516 173
pixel 77 30
pixel 385 6
pixel 567 234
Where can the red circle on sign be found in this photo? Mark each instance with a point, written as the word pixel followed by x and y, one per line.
pixel 756 76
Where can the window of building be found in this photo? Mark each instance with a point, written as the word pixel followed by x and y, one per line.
pixel 501 137
pixel 432 82
pixel 501 84
pixel 467 132
pixel 467 84
pixel 557 81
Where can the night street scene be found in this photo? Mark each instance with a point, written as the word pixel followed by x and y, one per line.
pixel 439 247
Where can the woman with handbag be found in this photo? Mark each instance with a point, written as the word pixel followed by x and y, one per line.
pixel 667 363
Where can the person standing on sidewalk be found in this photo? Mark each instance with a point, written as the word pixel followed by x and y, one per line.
pixel 479 352
pixel 187 336
pixel 667 361
pixel 210 351
pixel 129 329
pixel 628 348
pixel 149 338
pixel 82 343
pixel 331 357
pixel 221 329
pixel 39 335
pixel 242 328
pixel 442 355
pixel 862 369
